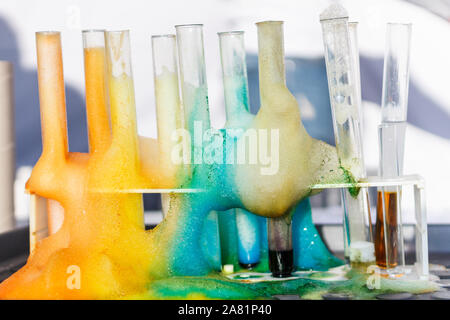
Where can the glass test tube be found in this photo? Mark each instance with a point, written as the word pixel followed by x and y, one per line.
pixel 363 202
pixel 168 106
pixel 97 108
pixel 234 74
pixel 52 102
pixel 389 246
pixel 7 146
pixel 169 117
pixel 281 253
pixel 194 93
pixel 272 73
pixel 124 148
pixel 52 98
pixel 121 93
pixel 194 87
pixel 342 64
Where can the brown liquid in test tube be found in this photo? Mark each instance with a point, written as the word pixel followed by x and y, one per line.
pixel 390 201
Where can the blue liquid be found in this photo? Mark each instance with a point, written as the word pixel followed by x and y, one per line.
pixel 249 238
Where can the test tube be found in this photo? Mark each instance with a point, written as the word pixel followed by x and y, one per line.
pixel 389 247
pixel 281 253
pixel 169 116
pixel 52 102
pixel 52 98
pixel 272 73
pixel 194 94
pixel 7 146
pixel 121 95
pixel 194 87
pixel 123 149
pixel 234 74
pixel 97 108
pixel 342 64
pixel 168 106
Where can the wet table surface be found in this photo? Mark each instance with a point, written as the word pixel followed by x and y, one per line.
pixel 14 253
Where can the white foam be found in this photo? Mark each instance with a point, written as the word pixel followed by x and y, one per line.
pixel 228 268
pixel 334 11
pixel 362 251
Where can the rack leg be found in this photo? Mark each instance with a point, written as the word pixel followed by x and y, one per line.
pixel 421 232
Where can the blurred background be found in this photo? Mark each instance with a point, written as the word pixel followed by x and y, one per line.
pixel 428 134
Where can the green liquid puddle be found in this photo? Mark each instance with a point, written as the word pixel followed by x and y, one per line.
pixel 217 286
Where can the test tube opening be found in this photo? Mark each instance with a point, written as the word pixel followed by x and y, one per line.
pixel 93 38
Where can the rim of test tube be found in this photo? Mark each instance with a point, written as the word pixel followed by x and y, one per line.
pixel 224 33
pixel 118 31
pixel 270 21
pixel 188 25
pixel 406 24
pixel 93 30
pixel 48 32
pixel 337 18
pixel 169 35
pixel 93 38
